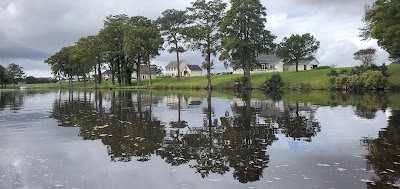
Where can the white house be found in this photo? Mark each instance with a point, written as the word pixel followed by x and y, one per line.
pixel 145 73
pixel 272 63
pixel 186 69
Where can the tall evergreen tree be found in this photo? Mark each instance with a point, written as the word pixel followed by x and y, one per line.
pixel 245 35
pixel 204 33
pixel 171 23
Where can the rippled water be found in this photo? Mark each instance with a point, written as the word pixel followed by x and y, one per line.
pixel 191 139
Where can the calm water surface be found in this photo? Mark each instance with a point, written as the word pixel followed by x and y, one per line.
pixel 127 139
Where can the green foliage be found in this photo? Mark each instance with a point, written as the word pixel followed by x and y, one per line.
pixel 366 56
pixel 171 24
pixel 374 80
pixel 274 83
pixel 204 33
pixel 302 86
pixel 382 23
pixel 33 80
pixel 332 72
pixel 245 36
pixel 322 67
pixel 3 76
pixel 297 47
pixel 371 80
pixel 14 72
pixel 142 41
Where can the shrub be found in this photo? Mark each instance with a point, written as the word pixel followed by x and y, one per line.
pixel 384 71
pixel 374 80
pixel 274 83
pixel 301 86
pixel 322 67
pixel 332 72
pixel 343 71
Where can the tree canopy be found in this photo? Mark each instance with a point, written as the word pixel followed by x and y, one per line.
pixel 296 48
pixel 366 56
pixel 382 23
pixel 3 76
pixel 171 24
pixel 245 36
pixel 204 32
pixel 124 43
pixel 13 72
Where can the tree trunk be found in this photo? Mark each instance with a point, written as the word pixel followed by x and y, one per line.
pixel 59 80
pixel 209 86
pixel 297 66
pixel 209 117
pixel 138 83
pixel 149 71
pixel 99 73
pixel 119 77
pixel 177 57
pixel 84 80
pixel 247 84
pixel 112 73
pixel 95 78
pixel 90 81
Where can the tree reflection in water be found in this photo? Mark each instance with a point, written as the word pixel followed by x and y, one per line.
pixel 383 154
pixel 127 127
pixel 12 99
pixel 366 105
pixel 246 141
pixel 237 142
pixel 298 122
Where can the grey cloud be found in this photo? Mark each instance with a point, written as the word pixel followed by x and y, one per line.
pixel 21 52
pixel 33 30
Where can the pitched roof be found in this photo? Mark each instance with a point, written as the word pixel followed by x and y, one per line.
pixel 194 67
pixel 271 58
pixel 173 64
pixel 308 61
pixel 145 70
pixel 268 58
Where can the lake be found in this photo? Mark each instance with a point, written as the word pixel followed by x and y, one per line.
pixel 194 139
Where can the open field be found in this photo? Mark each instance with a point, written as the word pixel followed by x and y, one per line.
pixel 317 79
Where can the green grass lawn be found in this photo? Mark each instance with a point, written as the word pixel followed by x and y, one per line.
pixel 317 79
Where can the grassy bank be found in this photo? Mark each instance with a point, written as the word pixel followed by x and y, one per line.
pixel 316 79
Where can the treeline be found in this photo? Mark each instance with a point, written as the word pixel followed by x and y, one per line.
pixel 11 74
pixel 126 44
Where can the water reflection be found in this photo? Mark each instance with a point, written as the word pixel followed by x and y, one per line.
pixel 247 141
pixel 366 105
pixel 12 99
pixel 236 141
pixel 383 155
pixel 127 127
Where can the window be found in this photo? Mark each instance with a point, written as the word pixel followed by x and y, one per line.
pixel 305 67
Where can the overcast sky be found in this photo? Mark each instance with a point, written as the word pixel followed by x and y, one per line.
pixel 33 30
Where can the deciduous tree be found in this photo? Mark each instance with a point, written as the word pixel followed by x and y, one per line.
pixel 296 48
pixel 382 23
pixel 13 72
pixel 3 76
pixel 142 41
pixel 366 56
